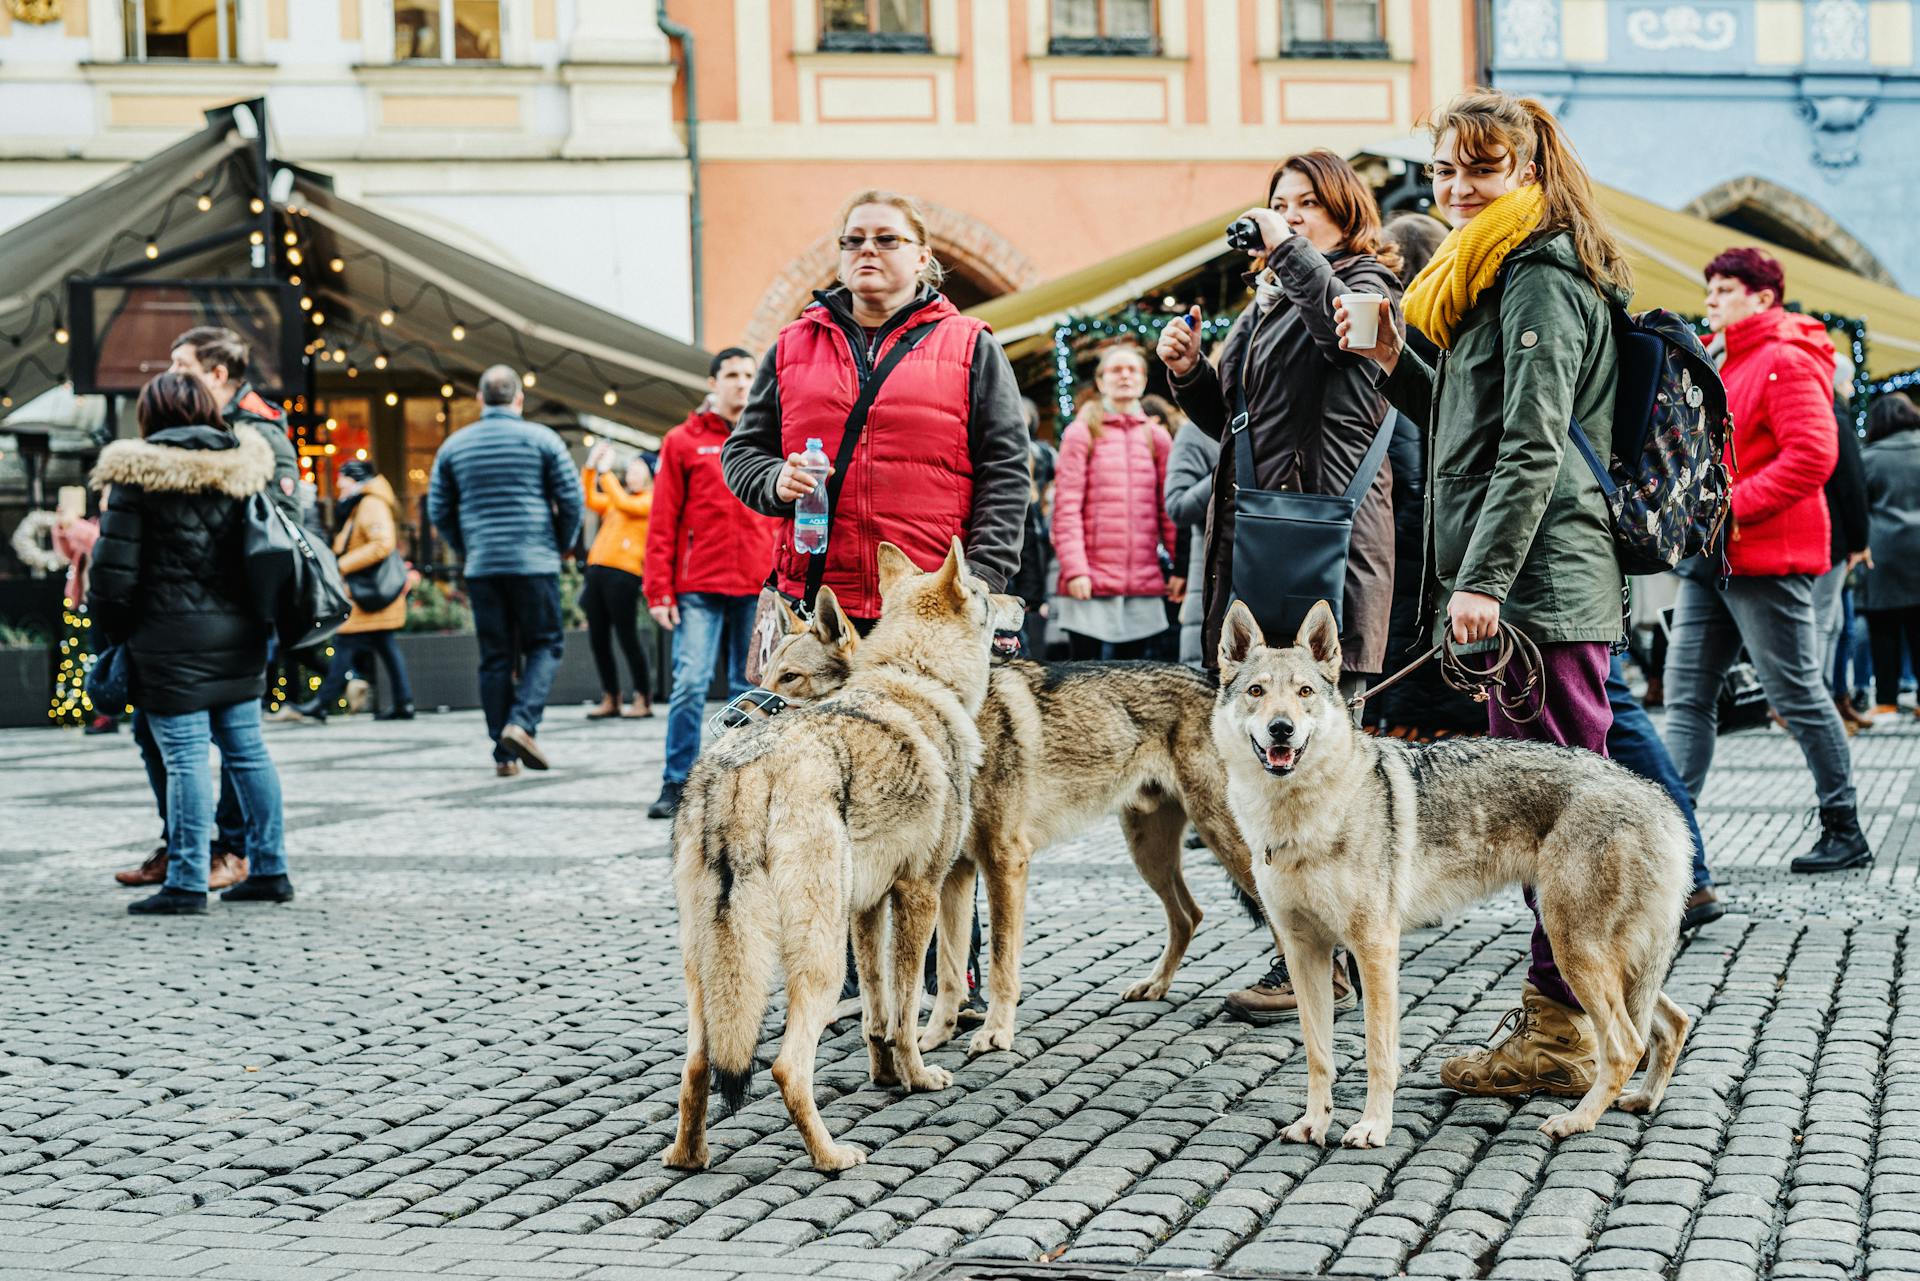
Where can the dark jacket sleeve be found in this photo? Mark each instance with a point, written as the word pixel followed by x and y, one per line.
pixel 751 459
pixel 443 502
pixel 1409 388
pixel 1847 492
pixel 1189 479
pixel 997 442
pixel 564 492
pixel 113 591
pixel 1310 284
pixel 1199 393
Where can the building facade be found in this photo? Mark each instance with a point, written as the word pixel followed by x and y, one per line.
pixel 535 133
pixel 1043 135
pixel 1792 120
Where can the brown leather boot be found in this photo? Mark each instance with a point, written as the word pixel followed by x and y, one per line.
pixel 224 869
pixel 151 872
pixel 1550 1050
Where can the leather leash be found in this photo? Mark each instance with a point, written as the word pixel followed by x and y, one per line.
pixel 1511 679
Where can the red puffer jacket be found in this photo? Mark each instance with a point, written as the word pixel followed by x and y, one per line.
pixel 1109 517
pixel 911 479
pixel 1779 376
pixel 702 538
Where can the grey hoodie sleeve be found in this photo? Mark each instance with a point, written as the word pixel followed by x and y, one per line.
pixel 997 442
pixel 751 458
pixel 1190 470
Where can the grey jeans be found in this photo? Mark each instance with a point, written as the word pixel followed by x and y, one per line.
pixel 1774 617
pixel 1827 589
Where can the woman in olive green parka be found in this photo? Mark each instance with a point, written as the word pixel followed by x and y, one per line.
pixel 1518 299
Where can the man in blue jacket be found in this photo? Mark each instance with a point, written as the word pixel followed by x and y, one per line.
pixel 506 496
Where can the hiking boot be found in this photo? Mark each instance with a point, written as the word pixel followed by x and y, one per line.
pixel 1550 1050
pixel 668 803
pixel 973 1010
pixel 261 889
pixel 170 902
pixel 521 744
pixel 1703 905
pixel 151 872
pixel 1272 999
pixel 224 869
pixel 1842 845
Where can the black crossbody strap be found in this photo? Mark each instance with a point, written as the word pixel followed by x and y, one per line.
pixel 1243 450
pixel 850 440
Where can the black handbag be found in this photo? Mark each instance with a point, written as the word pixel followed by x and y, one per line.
pixel 1289 548
pixel 296 584
pixel 378 586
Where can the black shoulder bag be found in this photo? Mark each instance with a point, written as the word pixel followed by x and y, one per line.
pixel 1289 548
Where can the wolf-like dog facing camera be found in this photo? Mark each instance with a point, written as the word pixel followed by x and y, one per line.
pixel 1356 839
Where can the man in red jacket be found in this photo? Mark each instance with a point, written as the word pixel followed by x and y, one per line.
pixel 1778 368
pixel 707 557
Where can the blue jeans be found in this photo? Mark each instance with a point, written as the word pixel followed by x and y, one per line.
pixel 516 616
pixel 706 621
pixel 356 653
pixel 183 741
pixel 229 833
pixel 1637 745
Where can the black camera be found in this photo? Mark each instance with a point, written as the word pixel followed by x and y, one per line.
pixel 1244 234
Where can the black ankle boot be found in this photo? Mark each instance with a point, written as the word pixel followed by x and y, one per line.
pixel 403 712
pixel 261 889
pixel 170 902
pixel 1842 845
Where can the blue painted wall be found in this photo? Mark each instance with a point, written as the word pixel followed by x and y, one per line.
pixel 1681 101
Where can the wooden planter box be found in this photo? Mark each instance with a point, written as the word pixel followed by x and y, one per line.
pixel 26 687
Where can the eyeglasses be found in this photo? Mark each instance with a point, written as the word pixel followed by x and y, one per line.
pixel 886 242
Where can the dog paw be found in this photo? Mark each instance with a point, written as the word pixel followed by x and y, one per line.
pixel 1308 1129
pixel 937 1035
pixel 1639 1102
pixel 986 1040
pixel 838 1157
pixel 1366 1133
pixel 1559 1127
pixel 929 1079
pixel 1147 990
pixel 682 1156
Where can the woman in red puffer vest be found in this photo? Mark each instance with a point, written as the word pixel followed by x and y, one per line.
pixel 1111 530
pixel 944 449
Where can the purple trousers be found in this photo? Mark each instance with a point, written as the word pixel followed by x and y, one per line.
pixel 1574 712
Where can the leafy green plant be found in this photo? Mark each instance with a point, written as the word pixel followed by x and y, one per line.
pixel 572 579
pixel 22 636
pixel 436 606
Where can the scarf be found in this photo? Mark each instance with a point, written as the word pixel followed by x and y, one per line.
pixel 1266 291
pixel 1467 261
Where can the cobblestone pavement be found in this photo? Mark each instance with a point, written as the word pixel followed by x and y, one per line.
pixel 457 1055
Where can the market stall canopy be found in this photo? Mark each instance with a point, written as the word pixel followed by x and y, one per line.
pixel 1667 250
pixel 187 213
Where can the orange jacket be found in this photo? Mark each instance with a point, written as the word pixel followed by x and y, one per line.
pixel 622 540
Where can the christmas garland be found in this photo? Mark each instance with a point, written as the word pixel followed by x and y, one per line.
pixel 33 543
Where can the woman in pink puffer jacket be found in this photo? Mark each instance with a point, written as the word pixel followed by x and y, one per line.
pixel 1111 530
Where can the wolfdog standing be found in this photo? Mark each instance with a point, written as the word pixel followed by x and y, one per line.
pixel 845 812
pixel 1066 744
pixel 1356 839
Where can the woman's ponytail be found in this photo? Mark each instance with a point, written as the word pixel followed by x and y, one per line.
pixel 1571 201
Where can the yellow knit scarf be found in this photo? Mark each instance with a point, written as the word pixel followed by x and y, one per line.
pixel 1465 264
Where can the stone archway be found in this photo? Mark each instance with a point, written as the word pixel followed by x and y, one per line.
pixel 1774 213
pixel 966 246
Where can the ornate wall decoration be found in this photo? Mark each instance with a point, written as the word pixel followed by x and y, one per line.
pixel 34 11
pixel 1837 31
pixel 1683 26
pixel 1529 30
pixel 1836 122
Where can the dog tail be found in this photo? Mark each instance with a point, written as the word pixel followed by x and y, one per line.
pixel 1250 904
pixel 728 928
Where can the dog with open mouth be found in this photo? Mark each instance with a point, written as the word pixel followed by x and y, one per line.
pixel 1356 839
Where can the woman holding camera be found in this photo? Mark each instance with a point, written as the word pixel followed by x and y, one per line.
pixel 1313 408
pixel 1110 523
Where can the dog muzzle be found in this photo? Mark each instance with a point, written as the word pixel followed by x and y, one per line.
pixel 1006 644
pixel 1278 760
pixel 755 704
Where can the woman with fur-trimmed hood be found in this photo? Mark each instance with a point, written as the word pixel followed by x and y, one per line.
pixel 168 584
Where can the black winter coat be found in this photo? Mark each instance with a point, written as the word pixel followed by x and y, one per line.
pixel 167 578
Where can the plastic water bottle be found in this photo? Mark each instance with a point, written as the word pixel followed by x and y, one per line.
pixel 810 509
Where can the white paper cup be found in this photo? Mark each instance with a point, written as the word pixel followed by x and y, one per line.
pixel 1363 319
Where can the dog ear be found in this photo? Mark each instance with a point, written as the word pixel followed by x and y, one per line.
pixel 790 624
pixel 894 566
pixel 1239 635
pixel 1320 637
pixel 830 622
pixel 952 574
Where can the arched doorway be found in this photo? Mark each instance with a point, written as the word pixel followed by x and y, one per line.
pixel 1773 213
pixel 980 263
